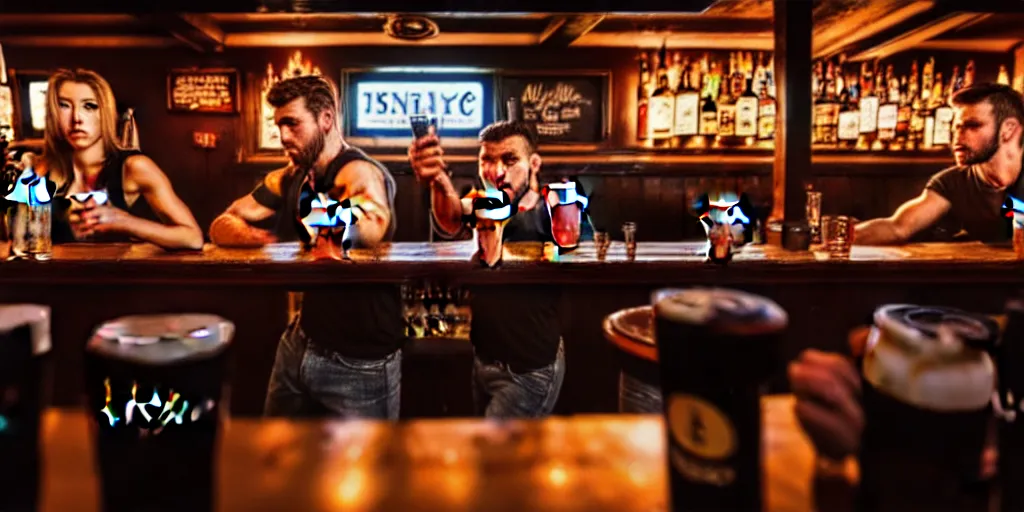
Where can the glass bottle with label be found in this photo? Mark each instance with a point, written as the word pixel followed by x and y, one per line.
pixel 642 131
pixel 687 104
pixel 726 114
pixel 943 117
pixel 888 111
pixel 849 117
pixel 903 116
pixel 709 117
pixel 927 79
pixel 869 103
pixel 661 106
pixel 766 115
pixel 746 112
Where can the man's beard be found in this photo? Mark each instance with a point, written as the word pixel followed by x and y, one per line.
pixel 518 193
pixel 984 155
pixel 308 155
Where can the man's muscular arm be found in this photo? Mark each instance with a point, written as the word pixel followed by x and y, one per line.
pixel 363 183
pixel 233 227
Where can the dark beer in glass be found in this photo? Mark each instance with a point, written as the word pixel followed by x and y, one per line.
pixel 928 383
pixel 24 347
pixel 717 349
pixel 155 395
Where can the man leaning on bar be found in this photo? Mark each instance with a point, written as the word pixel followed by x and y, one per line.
pixel 966 199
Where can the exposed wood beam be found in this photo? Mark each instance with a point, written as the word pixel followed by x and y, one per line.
pixel 554 24
pixel 881 48
pixel 571 29
pixel 703 40
pixel 300 39
pixel 842 31
pixel 198 31
pixel 90 41
pixel 969 45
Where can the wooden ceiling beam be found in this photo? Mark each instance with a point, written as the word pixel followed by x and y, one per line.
pixel 837 31
pixel 198 31
pixel 902 38
pixel 569 30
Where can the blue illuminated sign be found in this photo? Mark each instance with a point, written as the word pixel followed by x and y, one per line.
pixel 378 103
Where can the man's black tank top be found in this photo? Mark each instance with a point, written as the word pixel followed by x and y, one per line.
pixel 111 178
pixel 355 320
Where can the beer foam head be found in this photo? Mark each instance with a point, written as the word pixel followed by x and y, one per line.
pixel 162 339
pixel 930 357
pixel 13 316
pixel 724 310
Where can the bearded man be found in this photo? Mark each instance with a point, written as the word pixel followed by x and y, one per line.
pixel 967 199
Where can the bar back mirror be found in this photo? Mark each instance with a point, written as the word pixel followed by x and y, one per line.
pixel 29 104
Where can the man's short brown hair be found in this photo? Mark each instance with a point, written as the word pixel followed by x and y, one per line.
pixel 501 130
pixel 318 91
pixel 1006 102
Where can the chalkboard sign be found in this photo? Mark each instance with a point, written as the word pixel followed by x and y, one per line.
pixel 208 91
pixel 563 108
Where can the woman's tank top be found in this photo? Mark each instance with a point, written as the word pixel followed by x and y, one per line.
pixel 111 179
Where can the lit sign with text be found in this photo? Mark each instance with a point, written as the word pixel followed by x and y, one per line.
pixel 379 103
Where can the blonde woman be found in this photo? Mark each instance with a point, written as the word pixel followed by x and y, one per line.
pixel 102 186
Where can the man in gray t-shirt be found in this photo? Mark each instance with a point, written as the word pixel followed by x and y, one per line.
pixel 987 145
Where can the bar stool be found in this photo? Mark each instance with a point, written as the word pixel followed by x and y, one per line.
pixel 631 333
pixel 24 344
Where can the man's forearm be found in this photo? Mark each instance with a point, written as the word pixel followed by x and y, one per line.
pixel 877 232
pixel 445 204
pixel 229 230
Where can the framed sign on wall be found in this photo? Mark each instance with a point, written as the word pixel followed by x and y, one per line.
pixel 206 91
pixel 565 107
pixel 29 103
pixel 377 103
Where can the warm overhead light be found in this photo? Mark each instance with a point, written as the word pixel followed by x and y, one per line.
pixel 410 27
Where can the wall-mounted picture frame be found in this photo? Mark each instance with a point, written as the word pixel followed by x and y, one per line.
pixel 377 103
pixel 565 107
pixel 203 90
pixel 30 87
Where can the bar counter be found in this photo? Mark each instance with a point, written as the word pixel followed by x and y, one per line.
pixel 88 284
pixel 592 463
pixel 656 263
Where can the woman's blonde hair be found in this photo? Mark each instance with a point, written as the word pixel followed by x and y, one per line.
pixel 56 149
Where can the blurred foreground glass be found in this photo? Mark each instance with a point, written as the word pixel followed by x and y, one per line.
pixel 813 210
pixel 928 381
pixel 837 235
pixel 717 349
pixel 155 394
pixel 1018 235
pixel 24 346
pixel 629 237
pixel 602 240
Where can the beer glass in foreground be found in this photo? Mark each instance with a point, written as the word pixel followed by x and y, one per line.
pixel 717 348
pixel 24 345
pixel 928 381
pixel 155 397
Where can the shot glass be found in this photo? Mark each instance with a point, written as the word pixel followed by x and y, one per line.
pixel 602 240
pixel 629 236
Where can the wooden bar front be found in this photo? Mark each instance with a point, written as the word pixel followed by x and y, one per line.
pixel 87 284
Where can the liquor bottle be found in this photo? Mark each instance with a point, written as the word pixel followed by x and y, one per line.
pixel 737 80
pixel 849 117
pixel 888 111
pixel 958 80
pixel 771 76
pixel 660 110
pixel 943 117
pixel 903 116
pixel 642 127
pixel 760 74
pixel 928 141
pixel 746 112
pixel 687 104
pixel 869 103
pixel 674 71
pixel 726 113
pixel 709 117
pixel 927 77
pixel 969 74
pixel 1004 77
pixel 936 97
pixel 712 82
pixel 766 109
pixel 916 136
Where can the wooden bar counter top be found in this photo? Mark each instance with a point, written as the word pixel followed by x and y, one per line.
pixel 584 463
pixel 656 263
